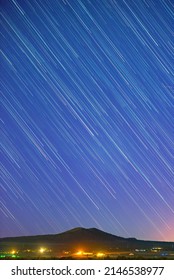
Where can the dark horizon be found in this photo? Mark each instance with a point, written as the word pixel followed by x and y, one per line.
pixel 81 228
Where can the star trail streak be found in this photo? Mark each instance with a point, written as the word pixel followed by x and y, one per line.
pixel 87 117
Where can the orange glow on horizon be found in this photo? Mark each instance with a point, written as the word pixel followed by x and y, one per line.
pixel 79 253
pixel 99 255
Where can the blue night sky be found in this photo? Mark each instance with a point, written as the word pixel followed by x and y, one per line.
pixel 87 117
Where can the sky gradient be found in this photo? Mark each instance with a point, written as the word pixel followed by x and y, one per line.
pixel 87 117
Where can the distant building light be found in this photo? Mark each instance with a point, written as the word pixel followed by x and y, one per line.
pixel 140 250
pixel 99 255
pixel 87 253
pixel 79 253
pixel 13 252
pixel 42 250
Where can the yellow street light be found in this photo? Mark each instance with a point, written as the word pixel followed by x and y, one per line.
pixel 79 253
pixel 42 250
pixel 13 252
pixel 99 255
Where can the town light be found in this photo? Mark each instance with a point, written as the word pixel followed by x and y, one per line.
pixel 99 255
pixel 42 250
pixel 13 252
pixel 79 253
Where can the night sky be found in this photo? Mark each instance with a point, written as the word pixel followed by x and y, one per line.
pixel 87 117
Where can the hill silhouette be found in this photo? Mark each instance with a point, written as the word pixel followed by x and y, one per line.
pixel 89 239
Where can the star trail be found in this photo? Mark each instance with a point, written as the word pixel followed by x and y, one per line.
pixel 87 117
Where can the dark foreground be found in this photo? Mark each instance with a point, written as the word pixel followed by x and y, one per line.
pixel 81 243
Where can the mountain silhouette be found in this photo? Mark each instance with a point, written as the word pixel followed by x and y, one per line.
pixel 88 239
